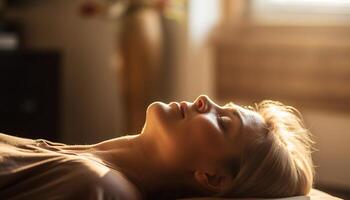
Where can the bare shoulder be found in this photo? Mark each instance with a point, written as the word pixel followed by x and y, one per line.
pixel 100 181
pixel 117 183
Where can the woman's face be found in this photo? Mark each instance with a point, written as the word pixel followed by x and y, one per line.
pixel 196 134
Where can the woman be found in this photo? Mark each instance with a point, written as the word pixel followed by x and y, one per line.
pixel 184 150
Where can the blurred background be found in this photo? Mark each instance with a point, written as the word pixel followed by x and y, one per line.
pixel 81 71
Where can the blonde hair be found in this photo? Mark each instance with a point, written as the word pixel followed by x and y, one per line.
pixel 277 161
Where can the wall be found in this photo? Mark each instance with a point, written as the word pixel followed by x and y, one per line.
pixel 91 108
pixel 194 73
pixel 332 156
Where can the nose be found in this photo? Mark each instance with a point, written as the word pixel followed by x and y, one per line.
pixel 203 103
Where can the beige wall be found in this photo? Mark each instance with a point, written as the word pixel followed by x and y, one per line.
pixel 194 74
pixel 332 157
pixel 90 102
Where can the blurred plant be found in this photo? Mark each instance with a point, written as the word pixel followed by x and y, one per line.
pixel 171 9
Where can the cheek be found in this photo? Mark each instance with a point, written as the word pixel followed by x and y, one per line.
pixel 205 129
pixel 204 137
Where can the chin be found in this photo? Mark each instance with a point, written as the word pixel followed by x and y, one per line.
pixel 157 113
pixel 156 108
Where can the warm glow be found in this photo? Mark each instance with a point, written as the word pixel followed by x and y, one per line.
pixel 203 15
pixel 310 12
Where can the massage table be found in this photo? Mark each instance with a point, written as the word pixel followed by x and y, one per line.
pixel 314 195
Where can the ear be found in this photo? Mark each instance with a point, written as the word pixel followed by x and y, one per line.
pixel 213 182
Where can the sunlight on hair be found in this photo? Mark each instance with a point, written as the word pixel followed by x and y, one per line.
pixel 284 153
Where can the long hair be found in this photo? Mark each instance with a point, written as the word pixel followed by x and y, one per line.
pixel 277 161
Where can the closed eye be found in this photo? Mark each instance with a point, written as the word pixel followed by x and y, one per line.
pixel 223 121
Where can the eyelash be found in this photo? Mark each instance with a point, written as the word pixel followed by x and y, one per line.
pixel 220 121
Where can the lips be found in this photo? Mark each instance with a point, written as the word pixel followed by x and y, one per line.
pixel 183 108
pixel 178 106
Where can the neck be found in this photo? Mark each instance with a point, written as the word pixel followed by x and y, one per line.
pixel 136 157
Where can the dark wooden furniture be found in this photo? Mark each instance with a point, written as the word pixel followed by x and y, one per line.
pixel 29 93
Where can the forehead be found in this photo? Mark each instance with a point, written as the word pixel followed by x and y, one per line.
pixel 251 121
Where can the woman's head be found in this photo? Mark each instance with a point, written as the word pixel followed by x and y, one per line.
pixel 277 162
pixel 230 150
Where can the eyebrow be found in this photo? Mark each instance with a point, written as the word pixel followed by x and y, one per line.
pixel 235 109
